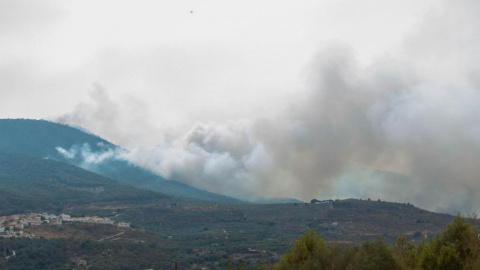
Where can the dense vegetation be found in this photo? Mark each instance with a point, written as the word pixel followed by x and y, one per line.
pixel 30 184
pixel 205 234
pixel 75 254
pixel 456 248
pixel 275 227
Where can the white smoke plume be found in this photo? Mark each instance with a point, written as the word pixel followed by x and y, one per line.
pixel 415 114
pixel 87 157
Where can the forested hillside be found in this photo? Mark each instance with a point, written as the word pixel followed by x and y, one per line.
pixel 46 139
pixel 30 184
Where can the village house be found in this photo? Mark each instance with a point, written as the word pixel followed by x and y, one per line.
pixel 107 221
pixel 315 201
pixel 11 224
pixel 55 221
pixel 64 217
pixel 34 222
pixel 123 224
pixel 48 216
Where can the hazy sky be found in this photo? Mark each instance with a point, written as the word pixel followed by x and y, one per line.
pixel 226 60
pixel 262 98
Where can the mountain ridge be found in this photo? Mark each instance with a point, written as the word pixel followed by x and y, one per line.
pixel 46 139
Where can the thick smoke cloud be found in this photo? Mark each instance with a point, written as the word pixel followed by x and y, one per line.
pixel 414 114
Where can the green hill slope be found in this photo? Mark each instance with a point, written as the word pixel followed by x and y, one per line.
pixel 40 138
pixel 30 184
pixel 44 139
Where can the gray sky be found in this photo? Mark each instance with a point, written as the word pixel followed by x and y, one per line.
pixel 262 98
pixel 227 59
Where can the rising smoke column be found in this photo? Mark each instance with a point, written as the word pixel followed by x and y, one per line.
pixel 415 114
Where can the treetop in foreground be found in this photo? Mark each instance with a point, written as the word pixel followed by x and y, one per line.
pixel 458 247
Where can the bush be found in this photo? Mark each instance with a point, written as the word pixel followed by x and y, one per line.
pixel 456 248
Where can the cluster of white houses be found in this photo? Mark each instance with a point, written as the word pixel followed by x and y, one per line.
pixel 12 226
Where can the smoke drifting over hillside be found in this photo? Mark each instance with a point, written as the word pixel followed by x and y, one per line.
pixel 416 114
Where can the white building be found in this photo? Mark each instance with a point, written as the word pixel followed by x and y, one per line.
pixel 123 224
pixel 49 216
pixel 65 217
